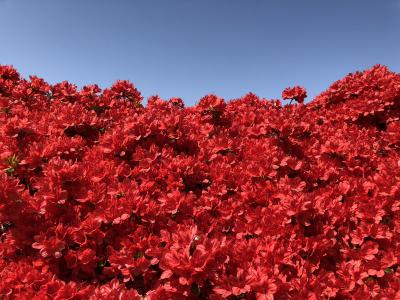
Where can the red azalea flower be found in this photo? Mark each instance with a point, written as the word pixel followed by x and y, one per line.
pixel 178 102
pixel 297 93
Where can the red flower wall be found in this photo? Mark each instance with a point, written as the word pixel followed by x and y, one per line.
pixel 103 198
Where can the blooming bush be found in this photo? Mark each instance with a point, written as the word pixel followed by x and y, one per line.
pixel 103 198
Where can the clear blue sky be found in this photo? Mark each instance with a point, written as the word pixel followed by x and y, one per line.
pixel 189 48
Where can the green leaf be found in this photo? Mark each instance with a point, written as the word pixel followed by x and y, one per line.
pixel 388 270
pixel 138 254
pixel 12 161
pixel 102 264
pixel 119 195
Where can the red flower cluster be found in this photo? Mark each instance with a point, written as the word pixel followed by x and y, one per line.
pixel 297 93
pixel 102 198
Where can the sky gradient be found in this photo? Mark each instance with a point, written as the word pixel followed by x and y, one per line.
pixel 189 48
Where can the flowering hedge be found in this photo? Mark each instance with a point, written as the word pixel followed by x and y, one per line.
pixel 103 198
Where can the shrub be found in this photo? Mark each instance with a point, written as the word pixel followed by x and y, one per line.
pixel 104 198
